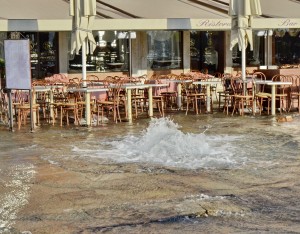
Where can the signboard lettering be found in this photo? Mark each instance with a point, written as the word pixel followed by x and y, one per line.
pixel 287 23
pixel 213 23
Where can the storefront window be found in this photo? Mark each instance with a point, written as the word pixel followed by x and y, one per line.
pixel 206 49
pixel 254 57
pixel 287 46
pixel 43 51
pixel 111 53
pixel 164 50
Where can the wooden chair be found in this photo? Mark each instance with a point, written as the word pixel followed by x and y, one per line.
pixel 260 96
pixel 66 103
pixel 112 103
pixel 241 100
pixel 3 107
pixel 282 94
pixel 192 96
pixel 170 94
pixel 21 105
pixel 295 93
pixel 157 98
pixel 224 94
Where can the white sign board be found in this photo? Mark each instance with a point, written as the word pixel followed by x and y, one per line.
pixel 17 64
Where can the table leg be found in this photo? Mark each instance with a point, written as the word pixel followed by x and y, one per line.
pixel 208 98
pixel 150 101
pixel 129 106
pixel 51 105
pixel 88 108
pixel 33 102
pixel 179 96
pixel 273 105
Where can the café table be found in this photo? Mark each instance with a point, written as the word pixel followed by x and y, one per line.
pixel 179 94
pixel 48 89
pixel 273 85
pixel 207 83
pixel 87 91
pixel 129 87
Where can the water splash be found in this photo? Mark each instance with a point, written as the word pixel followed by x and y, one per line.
pixel 165 144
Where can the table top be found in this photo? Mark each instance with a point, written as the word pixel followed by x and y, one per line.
pixel 269 82
pixel 138 86
pixel 207 82
pixel 180 81
pixel 279 83
pixel 87 90
pixel 43 88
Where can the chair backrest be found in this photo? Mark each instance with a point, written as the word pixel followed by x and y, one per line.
pixel 226 81
pixel 172 77
pixel 187 88
pixel 75 80
pixel 283 88
pixel 236 85
pixel 296 83
pixel 20 96
pixel 92 78
pixel 218 75
pixel 259 76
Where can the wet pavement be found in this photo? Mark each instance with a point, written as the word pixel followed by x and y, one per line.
pixel 78 180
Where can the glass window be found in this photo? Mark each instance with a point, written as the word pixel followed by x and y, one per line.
pixel 111 53
pixel 43 52
pixel 254 57
pixel 287 46
pixel 164 50
pixel 48 53
pixel 206 50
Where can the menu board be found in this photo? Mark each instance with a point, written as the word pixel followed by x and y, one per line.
pixel 17 64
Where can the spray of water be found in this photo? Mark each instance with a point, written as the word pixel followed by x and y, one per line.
pixel 165 144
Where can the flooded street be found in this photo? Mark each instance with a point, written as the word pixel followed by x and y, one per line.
pixel 182 174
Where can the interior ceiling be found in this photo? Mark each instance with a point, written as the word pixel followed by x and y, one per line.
pixel 149 9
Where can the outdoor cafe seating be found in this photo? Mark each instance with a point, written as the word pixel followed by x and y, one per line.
pixel 58 99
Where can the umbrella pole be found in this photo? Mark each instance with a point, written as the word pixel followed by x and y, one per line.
pixel 244 66
pixel 130 54
pixel 87 94
pixel 83 56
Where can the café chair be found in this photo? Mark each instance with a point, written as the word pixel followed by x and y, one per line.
pixel 224 94
pixel 260 96
pixel 21 103
pixel 240 99
pixel 113 101
pixel 3 107
pixel 282 94
pixel 192 96
pixel 295 93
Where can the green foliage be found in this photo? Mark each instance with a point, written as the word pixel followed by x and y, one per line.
pixel 2 63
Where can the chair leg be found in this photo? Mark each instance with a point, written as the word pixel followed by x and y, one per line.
pixel 61 116
pixel 196 105
pixel 299 103
pixel 187 106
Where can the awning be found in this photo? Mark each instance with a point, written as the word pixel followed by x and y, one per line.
pixel 53 15
pixel 154 9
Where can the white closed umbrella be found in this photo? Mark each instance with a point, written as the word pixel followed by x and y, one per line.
pixel 83 12
pixel 242 12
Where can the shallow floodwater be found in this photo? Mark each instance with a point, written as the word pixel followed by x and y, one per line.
pixel 248 167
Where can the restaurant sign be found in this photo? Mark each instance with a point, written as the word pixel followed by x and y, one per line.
pixel 276 23
pixel 213 24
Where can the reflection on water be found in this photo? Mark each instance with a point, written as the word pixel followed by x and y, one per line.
pixel 253 160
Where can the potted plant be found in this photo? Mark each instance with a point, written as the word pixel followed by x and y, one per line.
pixel 2 73
pixel 2 67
